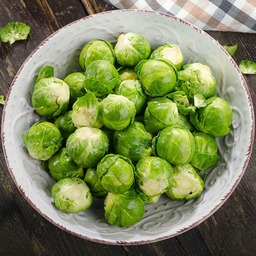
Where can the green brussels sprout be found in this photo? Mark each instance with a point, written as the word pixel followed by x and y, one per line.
pixel 157 76
pixel 101 77
pixel 42 140
pixel 133 91
pixel 87 145
pixel 170 52
pixel 214 119
pixel 126 73
pixel 71 195
pixel 206 151
pixel 93 181
pixel 160 113
pixel 50 97
pixel 131 48
pixel 187 183
pixel 196 78
pixel 61 166
pixel 65 124
pixel 133 142
pixel 175 144
pixel 75 81
pixel 123 210
pixel 117 112
pixel 116 173
pixel 153 175
pixel 96 50
pixel 85 111
pixel 45 72
pixel 14 31
pixel 182 102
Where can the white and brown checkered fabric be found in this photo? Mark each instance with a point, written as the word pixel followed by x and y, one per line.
pixel 222 15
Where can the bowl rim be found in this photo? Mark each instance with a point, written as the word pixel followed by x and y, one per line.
pixel 159 238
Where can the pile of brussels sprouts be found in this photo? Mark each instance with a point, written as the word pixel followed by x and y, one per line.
pixel 132 125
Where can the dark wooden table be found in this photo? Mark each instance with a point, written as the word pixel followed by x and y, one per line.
pixel 230 231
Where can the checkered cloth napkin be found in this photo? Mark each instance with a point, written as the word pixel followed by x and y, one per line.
pixel 222 15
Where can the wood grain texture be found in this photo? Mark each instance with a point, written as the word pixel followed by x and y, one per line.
pixel 230 231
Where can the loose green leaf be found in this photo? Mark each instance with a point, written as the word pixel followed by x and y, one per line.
pixel 199 101
pixel 14 31
pixel 247 67
pixel 231 49
pixel 45 72
pixel 2 101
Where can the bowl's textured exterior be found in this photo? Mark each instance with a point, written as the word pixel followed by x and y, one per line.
pixel 166 218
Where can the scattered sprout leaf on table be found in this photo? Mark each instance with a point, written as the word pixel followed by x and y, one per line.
pixel 14 31
pixel 247 67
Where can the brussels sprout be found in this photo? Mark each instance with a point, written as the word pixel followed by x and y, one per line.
pixel 14 31
pixel 42 140
pixel 93 181
pixel 65 124
pixel 71 195
pixel 101 78
pixel 123 210
pixel 196 78
pixel 96 50
pixel 157 76
pixel 45 72
pixel 117 112
pixel 75 81
pixel 175 144
pixel 160 113
pixel 85 111
pixel 133 142
pixel 116 173
pixel 214 119
pixel 133 91
pixel 182 102
pixel 187 183
pixel 206 151
pixel 87 145
pixel 61 166
pixel 153 175
pixel 131 48
pixel 126 73
pixel 171 52
pixel 50 97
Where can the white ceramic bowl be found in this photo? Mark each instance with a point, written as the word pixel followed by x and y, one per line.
pixel 166 218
